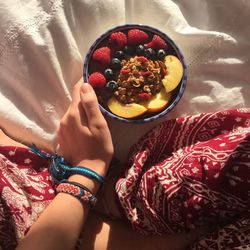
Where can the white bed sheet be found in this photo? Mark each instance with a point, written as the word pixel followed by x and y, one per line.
pixel 43 44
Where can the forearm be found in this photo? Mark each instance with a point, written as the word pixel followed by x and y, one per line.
pixel 84 140
pixel 6 140
pixel 61 223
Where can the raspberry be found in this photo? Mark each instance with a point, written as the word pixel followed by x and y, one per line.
pixel 164 72
pixel 157 43
pixel 118 40
pixel 136 37
pixel 146 73
pixel 144 96
pixel 97 80
pixel 142 59
pixel 102 55
pixel 125 71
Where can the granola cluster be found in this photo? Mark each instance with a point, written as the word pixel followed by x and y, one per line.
pixel 139 79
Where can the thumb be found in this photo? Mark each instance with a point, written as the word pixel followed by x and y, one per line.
pixel 90 103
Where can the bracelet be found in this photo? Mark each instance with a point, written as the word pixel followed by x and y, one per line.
pixel 60 170
pixel 77 190
pixel 77 184
pixel 86 172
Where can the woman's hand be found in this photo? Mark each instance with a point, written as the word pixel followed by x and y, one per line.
pixel 84 139
pixel 83 135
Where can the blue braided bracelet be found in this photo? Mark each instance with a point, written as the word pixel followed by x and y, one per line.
pixel 86 172
pixel 60 170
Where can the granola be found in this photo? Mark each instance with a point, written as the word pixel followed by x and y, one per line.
pixel 139 79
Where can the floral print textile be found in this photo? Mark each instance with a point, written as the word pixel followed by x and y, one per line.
pixel 191 172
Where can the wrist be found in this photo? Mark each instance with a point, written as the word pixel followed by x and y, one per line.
pixel 91 184
pixel 97 165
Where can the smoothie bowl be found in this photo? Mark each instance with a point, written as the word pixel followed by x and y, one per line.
pixel 138 73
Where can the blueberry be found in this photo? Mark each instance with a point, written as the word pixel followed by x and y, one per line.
pixel 140 50
pixel 161 54
pixel 115 63
pixel 119 54
pixel 109 73
pixel 112 85
pixel 129 50
pixel 150 53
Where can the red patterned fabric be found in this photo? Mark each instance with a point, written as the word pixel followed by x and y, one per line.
pixel 26 189
pixel 181 175
pixel 233 236
pixel 190 172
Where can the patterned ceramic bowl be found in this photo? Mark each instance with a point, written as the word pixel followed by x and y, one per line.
pixel 174 71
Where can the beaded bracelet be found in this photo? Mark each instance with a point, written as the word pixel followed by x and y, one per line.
pixel 77 190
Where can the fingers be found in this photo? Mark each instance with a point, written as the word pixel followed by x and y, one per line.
pixel 76 92
pixel 76 110
pixel 84 109
pixel 90 105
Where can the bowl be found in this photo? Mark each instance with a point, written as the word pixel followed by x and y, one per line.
pixel 92 66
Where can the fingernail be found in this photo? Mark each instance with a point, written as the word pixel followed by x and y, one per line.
pixel 85 88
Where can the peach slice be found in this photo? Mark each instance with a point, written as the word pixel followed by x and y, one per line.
pixel 157 102
pixel 130 110
pixel 174 73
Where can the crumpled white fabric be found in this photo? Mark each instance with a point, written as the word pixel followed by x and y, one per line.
pixel 43 44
